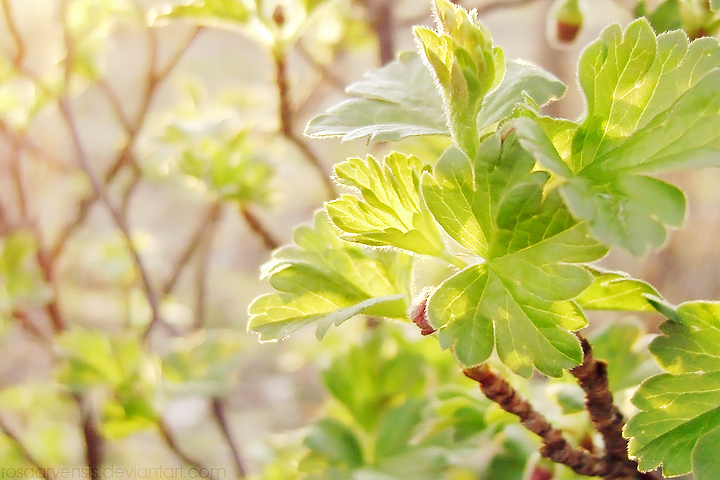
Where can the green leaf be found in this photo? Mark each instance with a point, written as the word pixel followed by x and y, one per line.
pixel 616 291
pixel 705 458
pixel 209 12
pixel 524 84
pixel 397 427
pixel 375 375
pixel 652 105
pixel 335 442
pixel 465 64
pixel 666 17
pixel 327 280
pixel 397 101
pixel 391 212
pixel 715 4
pixel 518 299
pixel 678 409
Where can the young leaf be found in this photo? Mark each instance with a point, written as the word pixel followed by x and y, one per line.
pixel 335 442
pixel 652 105
pixel 519 300
pixel 678 409
pixel 466 65
pixel 397 101
pixel 209 12
pixel 616 291
pixel 391 212
pixel 327 280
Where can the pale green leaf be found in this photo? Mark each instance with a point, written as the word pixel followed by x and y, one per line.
pixel 715 4
pixel 209 12
pixel 335 442
pixel 652 105
pixel 396 101
pixel 518 300
pixel 616 291
pixel 327 280
pixel 524 85
pixel 679 408
pixel 390 211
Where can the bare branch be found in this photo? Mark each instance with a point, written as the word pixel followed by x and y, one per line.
pixel 172 443
pixel 14 33
pixel 259 229
pixel 22 448
pixel 218 409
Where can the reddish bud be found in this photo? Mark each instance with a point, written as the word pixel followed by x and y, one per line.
pixel 418 312
pixel 565 21
pixel 278 16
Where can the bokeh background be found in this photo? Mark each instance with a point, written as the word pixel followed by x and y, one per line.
pixel 149 103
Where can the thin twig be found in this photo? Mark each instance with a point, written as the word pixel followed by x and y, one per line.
pixel 14 33
pixel 554 447
pixel 23 450
pixel 259 229
pixel 325 73
pixel 208 218
pixel 500 5
pixel 286 115
pixel 117 218
pixel 202 268
pixel 218 409
pixel 175 447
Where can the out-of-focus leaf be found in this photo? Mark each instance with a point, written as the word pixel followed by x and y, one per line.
pixel 678 409
pixel 335 442
pixel 204 363
pixel 327 280
pixel 397 101
pixel 21 283
pixel 616 291
pixel 665 18
pixel 518 300
pixel 209 12
pixel 391 211
pixel 374 376
pixel 397 427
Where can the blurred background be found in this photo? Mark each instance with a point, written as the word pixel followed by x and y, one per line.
pixel 179 132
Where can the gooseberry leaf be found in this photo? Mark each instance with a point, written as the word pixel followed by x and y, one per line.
pixel 679 408
pixel 652 105
pixel 518 297
pixel 327 280
pixel 391 211
pixel 616 291
pixel 397 101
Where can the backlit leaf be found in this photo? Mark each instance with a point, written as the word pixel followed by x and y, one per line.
pixel 518 299
pixel 678 409
pixel 327 280
pixel 616 291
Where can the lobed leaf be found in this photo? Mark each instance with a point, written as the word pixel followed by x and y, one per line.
pixel 680 410
pixel 652 105
pixel 616 291
pixel 326 280
pixel 397 101
pixel 390 211
pixel 518 300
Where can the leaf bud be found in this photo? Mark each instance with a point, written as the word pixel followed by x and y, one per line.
pixel 565 21
pixel 418 311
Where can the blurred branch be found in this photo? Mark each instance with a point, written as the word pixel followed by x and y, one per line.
pixel 202 266
pixel 380 15
pixel 210 217
pixel 325 73
pixel 14 33
pixel 94 441
pixel 218 410
pixel 171 442
pixel 259 229
pixel 487 7
pixel 286 116
pixel 22 449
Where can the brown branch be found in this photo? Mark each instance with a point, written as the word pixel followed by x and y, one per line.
pixel 172 443
pixel 23 450
pixel 554 447
pixel 117 218
pixel 218 410
pixel 325 73
pixel 94 441
pixel 286 115
pixel 211 216
pixel 14 33
pixel 202 268
pixel 259 229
